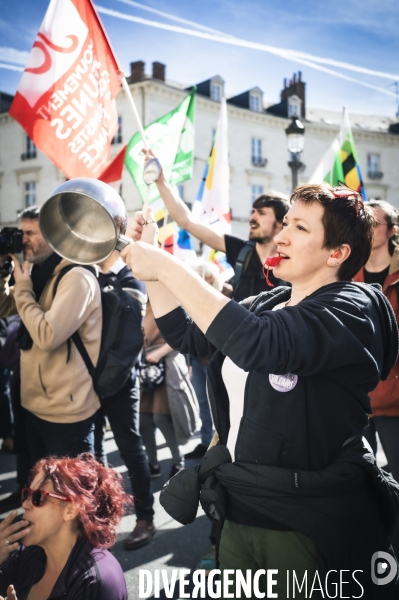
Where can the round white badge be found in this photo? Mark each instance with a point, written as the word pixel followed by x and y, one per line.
pixel 283 383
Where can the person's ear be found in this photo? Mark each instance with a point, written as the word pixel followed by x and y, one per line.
pixel 278 226
pixel 393 231
pixel 339 255
pixel 70 512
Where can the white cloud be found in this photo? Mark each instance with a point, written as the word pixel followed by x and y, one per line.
pixel 11 55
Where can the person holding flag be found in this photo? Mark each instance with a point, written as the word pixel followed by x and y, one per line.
pixel 247 257
pixel 288 385
pixel 172 136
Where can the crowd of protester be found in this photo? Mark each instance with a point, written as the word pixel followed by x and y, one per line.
pixel 210 356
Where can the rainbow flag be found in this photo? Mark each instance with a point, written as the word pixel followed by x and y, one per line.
pixel 214 192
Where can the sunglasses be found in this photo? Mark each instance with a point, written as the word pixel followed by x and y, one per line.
pixel 344 193
pixel 38 497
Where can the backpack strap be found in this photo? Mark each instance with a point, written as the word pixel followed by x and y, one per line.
pixel 242 262
pixel 75 337
pixel 77 340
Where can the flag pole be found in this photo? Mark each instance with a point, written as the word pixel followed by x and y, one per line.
pixel 141 130
pixel 134 110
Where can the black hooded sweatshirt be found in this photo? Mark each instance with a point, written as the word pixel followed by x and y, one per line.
pixel 339 342
pixel 335 345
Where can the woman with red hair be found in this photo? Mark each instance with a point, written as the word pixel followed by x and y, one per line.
pixel 71 512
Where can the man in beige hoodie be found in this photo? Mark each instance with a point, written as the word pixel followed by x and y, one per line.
pixel 56 388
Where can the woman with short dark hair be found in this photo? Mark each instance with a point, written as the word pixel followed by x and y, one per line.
pixel 71 513
pixel 288 385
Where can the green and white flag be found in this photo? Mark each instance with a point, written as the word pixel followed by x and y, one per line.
pixel 340 163
pixel 171 138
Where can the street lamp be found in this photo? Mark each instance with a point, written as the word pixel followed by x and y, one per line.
pixel 295 142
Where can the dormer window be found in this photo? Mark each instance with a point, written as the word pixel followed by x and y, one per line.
pixel 216 92
pixel 254 102
pixel 294 106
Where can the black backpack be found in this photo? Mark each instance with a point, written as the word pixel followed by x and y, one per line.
pixel 121 339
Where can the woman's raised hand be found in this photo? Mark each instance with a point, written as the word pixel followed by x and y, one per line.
pixel 138 227
pixel 150 229
pixel 10 533
pixel 11 594
pixel 135 226
pixel 143 258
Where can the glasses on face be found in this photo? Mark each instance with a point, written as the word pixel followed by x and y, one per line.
pixel 378 223
pixel 38 497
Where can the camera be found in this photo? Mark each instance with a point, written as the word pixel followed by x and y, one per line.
pixel 10 240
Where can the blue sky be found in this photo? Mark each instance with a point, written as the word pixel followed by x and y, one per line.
pixel 362 33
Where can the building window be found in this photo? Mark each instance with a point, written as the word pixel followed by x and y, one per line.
pixel 294 107
pixel 373 166
pixel 254 103
pixel 30 149
pixel 30 193
pixel 256 153
pixel 216 92
pixel 117 139
pixel 256 191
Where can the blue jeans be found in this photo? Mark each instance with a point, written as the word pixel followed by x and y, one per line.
pixel 123 412
pixel 199 383
pixel 58 439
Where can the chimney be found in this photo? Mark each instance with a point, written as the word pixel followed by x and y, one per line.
pixel 295 87
pixel 136 71
pixel 158 71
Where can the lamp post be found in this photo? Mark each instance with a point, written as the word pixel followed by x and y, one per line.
pixel 295 142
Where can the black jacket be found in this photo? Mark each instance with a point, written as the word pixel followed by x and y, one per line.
pixel 339 342
pixel 346 509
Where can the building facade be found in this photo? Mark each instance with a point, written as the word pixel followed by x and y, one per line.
pixel 257 145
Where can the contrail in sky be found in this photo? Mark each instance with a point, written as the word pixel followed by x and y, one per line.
pixel 287 54
pixel 317 59
pixel 11 67
pixel 172 17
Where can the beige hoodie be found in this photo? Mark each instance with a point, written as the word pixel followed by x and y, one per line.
pixel 52 388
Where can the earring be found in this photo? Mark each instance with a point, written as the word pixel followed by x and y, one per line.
pixel 336 264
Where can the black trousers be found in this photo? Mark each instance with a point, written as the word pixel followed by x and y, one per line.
pixel 123 412
pixel 58 439
pixel 388 432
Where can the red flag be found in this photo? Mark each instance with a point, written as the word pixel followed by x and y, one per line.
pixel 66 97
pixel 113 173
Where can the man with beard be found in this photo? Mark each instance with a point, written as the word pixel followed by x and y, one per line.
pixel 247 257
pixel 56 388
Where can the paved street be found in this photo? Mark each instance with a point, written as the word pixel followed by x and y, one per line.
pixel 172 547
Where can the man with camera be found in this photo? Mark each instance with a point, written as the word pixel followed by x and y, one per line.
pixel 56 388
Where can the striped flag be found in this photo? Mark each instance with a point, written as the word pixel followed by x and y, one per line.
pixel 340 163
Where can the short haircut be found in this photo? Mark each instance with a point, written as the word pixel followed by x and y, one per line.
pixel 345 221
pixel 278 202
pixel 32 213
pixel 392 219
